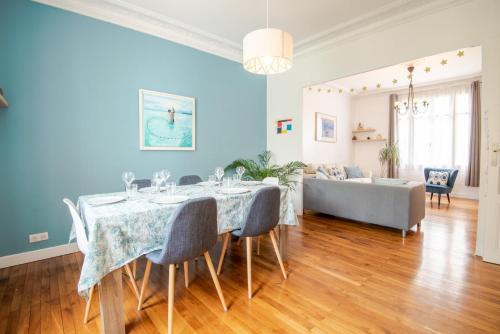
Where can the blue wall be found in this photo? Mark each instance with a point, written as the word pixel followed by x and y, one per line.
pixel 72 125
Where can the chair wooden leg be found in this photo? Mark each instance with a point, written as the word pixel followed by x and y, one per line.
pixel 432 194
pixel 215 279
pixel 258 245
pixel 134 269
pixel 249 266
pixel 145 280
pixel 87 306
pixel 171 285
pixel 186 273
pixel 277 251
pixel 439 200
pixel 448 195
pixel 132 280
pixel 223 252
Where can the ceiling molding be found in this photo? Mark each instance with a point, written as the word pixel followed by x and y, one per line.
pixel 396 12
pixel 140 19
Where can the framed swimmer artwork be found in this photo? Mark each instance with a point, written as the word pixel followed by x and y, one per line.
pixel 166 121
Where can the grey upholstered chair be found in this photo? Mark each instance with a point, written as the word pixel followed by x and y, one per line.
pixel 189 179
pixel 193 233
pixel 144 183
pixel 439 189
pixel 261 218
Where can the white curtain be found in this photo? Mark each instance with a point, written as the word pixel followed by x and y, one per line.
pixel 438 137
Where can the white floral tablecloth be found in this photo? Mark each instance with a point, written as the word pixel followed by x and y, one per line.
pixel 121 232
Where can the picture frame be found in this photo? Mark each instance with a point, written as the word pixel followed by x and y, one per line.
pixel 167 122
pixel 326 128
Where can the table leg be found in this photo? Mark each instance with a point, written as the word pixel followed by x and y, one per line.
pixel 283 241
pixel 111 301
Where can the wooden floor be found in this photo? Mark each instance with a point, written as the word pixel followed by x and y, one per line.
pixel 344 277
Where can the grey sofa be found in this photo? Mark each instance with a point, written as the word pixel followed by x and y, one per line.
pixel 397 206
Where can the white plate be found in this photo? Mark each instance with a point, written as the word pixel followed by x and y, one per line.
pixel 169 199
pixel 105 200
pixel 251 183
pixel 149 190
pixel 207 183
pixel 233 191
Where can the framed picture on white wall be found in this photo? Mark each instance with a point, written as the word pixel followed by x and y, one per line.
pixel 326 128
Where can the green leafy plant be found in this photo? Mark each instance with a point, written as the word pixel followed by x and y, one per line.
pixel 389 153
pixel 259 170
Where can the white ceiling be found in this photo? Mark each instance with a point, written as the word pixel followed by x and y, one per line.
pixel 428 70
pixel 218 26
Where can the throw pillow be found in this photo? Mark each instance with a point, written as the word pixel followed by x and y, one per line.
pixel 320 175
pixel 310 169
pixel 438 178
pixel 353 172
pixel 337 174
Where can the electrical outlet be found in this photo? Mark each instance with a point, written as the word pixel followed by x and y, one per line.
pixel 38 237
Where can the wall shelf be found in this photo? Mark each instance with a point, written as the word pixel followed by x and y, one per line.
pixel 365 140
pixel 363 130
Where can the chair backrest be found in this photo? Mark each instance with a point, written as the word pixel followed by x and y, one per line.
pixel 193 232
pixel 452 174
pixel 81 235
pixel 189 179
pixel 274 181
pixel 264 212
pixel 143 183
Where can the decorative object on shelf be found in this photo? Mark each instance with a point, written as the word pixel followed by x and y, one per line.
pixel 284 126
pixel 261 169
pixel 412 104
pixel 360 126
pixel 354 138
pixel 3 101
pixel 390 152
pixel 368 138
pixel 326 128
pixel 166 121
pixel 379 136
pixel 267 51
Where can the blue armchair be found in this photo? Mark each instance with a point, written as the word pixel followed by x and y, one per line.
pixel 439 189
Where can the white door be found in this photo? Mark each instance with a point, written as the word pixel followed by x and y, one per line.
pixel 490 201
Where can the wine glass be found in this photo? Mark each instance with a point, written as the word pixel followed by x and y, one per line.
pixel 219 173
pixel 157 180
pixel 240 170
pixel 166 174
pixel 128 178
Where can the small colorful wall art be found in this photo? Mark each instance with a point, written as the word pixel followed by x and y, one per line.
pixel 284 126
pixel 166 121
pixel 326 128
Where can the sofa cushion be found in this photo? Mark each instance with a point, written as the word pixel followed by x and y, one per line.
pixel 320 175
pixel 310 169
pixel 337 174
pixel 438 178
pixel 353 172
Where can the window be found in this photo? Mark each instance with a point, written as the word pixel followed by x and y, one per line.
pixel 438 137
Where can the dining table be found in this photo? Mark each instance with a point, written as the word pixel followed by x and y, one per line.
pixel 121 232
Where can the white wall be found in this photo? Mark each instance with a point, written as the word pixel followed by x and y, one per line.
pixel 373 112
pixel 468 23
pixel 334 104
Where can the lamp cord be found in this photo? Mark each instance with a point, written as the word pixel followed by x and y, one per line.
pixel 267 16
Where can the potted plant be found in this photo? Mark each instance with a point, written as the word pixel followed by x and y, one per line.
pixel 389 153
pixel 263 168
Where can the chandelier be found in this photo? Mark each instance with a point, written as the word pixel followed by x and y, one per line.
pixel 411 104
pixel 267 51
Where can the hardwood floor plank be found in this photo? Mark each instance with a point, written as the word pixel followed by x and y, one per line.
pixel 344 277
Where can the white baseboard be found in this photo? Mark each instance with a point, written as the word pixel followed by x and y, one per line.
pixel 41 254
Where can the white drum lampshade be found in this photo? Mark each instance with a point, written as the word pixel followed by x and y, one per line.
pixel 267 51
